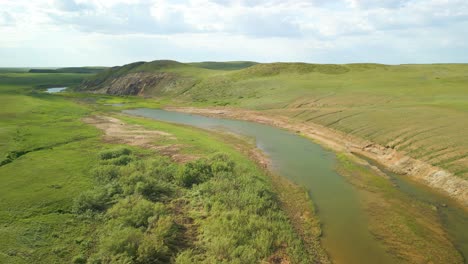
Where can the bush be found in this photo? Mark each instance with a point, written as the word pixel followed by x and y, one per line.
pixel 119 161
pixel 95 200
pixel 157 245
pixel 119 245
pixel 149 187
pixel 80 259
pixel 201 170
pixel 162 169
pixel 185 257
pixel 194 172
pixel 113 190
pixel 234 211
pixel 221 163
pixel 135 211
pixel 114 153
pixel 106 173
pixel 130 245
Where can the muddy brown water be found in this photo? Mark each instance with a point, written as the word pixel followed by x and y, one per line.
pixel 453 217
pixel 346 236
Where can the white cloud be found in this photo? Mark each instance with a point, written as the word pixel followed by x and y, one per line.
pixel 368 4
pixel 118 31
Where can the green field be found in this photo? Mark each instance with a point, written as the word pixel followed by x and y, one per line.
pixel 67 196
pixel 418 109
pixel 70 195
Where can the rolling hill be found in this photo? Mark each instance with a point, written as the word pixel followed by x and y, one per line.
pixel 420 110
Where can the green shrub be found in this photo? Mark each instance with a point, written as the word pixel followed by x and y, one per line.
pixel 111 259
pixel 136 211
pixel 201 170
pixel 157 245
pixel 119 245
pixel 106 173
pixel 114 153
pixel 186 257
pixel 113 190
pixel 120 161
pixel 125 244
pixel 162 168
pixel 237 216
pixel 95 200
pixel 194 172
pixel 147 186
pixel 80 259
pixel 220 162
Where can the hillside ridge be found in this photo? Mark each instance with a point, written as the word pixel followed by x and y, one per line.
pixel 419 110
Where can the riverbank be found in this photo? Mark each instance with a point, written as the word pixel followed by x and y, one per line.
pixel 435 177
pixel 293 199
pixel 410 229
pixel 74 192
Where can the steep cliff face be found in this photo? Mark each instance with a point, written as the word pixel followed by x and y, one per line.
pixel 138 83
pixel 141 83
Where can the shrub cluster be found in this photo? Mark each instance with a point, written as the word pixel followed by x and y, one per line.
pixel 236 214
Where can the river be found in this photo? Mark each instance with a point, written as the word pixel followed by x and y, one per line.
pixel 55 89
pixel 345 231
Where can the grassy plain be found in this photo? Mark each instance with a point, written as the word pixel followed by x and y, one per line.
pixel 61 202
pixel 38 188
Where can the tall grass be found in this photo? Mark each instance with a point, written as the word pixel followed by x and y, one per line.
pixel 235 214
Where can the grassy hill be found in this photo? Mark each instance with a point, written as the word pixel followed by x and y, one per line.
pixel 227 66
pixel 419 109
pixel 69 70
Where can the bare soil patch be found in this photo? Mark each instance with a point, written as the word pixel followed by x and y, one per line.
pixel 116 131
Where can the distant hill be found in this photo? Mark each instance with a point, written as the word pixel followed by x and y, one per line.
pixel 167 77
pixel 226 66
pixel 87 70
pixel 13 70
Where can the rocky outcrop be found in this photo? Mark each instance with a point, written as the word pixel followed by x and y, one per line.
pixel 140 83
pixel 136 83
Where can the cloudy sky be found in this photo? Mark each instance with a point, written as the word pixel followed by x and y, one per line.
pixel 113 32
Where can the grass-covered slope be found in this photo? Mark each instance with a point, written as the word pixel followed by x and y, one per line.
pixel 227 66
pixel 145 78
pixel 49 149
pixel 89 70
pixel 419 109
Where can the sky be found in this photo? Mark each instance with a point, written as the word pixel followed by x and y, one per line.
pixel 56 33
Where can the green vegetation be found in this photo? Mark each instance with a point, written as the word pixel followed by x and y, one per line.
pixel 418 109
pixel 89 70
pixel 147 208
pixel 408 228
pixel 37 225
pixel 69 197
pixel 226 66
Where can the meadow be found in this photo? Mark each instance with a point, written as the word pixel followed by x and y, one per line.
pixel 71 195
pixel 68 196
